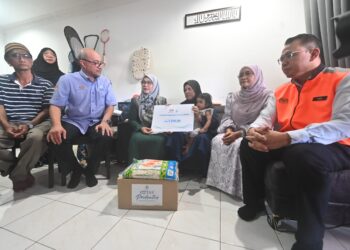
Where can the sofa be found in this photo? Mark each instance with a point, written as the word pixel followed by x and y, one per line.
pixel 281 200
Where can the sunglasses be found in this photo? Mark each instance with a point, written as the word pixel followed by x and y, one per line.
pixel 21 55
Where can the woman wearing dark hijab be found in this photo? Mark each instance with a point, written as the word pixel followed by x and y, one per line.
pixel 192 90
pixel 175 141
pixel 200 149
pixel 46 66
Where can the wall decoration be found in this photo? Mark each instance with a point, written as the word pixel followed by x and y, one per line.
pixel 222 15
pixel 140 62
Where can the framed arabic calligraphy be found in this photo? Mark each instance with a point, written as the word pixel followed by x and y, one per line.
pixel 222 15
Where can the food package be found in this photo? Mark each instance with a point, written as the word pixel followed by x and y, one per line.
pixel 151 169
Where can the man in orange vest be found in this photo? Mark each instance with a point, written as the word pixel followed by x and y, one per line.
pixel 312 112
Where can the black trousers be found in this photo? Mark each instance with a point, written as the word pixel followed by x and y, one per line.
pixel 308 166
pixel 99 146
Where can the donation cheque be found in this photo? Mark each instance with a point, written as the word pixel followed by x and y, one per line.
pixel 172 118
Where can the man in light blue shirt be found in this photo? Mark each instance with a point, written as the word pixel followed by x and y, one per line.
pixel 87 99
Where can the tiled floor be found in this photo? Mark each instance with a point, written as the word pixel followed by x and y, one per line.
pixel 89 218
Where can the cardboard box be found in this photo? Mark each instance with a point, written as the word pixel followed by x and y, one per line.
pixel 147 194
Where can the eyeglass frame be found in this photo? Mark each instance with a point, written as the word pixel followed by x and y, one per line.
pixel 289 55
pixel 18 56
pixel 146 82
pixel 96 63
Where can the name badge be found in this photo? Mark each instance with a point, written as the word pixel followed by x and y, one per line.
pixel 319 98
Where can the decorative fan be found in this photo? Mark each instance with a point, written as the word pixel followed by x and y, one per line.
pixel 141 62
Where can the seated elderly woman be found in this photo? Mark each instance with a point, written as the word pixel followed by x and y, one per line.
pixel 143 144
pixel 241 109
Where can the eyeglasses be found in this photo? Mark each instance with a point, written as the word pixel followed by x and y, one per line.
pixel 96 63
pixel 288 56
pixel 21 55
pixel 146 82
pixel 245 73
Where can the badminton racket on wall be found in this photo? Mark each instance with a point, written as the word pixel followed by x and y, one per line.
pixel 90 41
pixel 104 38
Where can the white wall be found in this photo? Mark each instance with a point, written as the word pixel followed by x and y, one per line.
pixel 211 54
pixel 2 44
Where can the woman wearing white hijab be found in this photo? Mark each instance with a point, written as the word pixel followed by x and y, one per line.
pixel 143 144
pixel 241 109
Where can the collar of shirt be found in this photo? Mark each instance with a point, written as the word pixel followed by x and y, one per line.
pixel 13 78
pixel 20 85
pixel 311 76
pixel 86 77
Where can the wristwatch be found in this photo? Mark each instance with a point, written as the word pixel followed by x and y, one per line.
pixel 30 125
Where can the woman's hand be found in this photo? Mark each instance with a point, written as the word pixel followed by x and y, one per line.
pixel 203 130
pixel 195 110
pixel 230 136
pixel 146 130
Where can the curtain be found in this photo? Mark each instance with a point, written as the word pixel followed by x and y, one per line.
pixel 318 16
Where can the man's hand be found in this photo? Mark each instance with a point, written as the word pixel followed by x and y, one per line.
pixel 146 130
pixel 230 136
pixel 265 139
pixel 104 128
pixel 56 134
pixel 257 139
pixel 275 140
pixel 17 131
pixel 22 130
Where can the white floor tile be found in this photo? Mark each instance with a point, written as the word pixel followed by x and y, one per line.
pixel 5 182
pixel 329 241
pixel 206 196
pixel 174 240
pixel 182 184
pixel 197 219
pixel 15 209
pixel 225 246
pixel 254 235
pixel 86 196
pixel 7 195
pixel 12 241
pixel 153 217
pixel 41 185
pixel 342 234
pixel 227 202
pixel 108 204
pixel 39 223
pixel 81 232
pixel 128 234
pixel 38 246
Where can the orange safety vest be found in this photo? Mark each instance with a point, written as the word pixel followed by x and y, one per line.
pixel 312 104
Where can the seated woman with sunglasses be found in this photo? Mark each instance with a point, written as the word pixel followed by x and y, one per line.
pixel 143 144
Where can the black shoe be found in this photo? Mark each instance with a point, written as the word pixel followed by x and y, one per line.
pixel 75 178
pixel 250 212
pixel 90 179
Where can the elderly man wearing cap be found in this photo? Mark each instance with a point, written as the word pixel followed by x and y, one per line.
pixel 24 103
